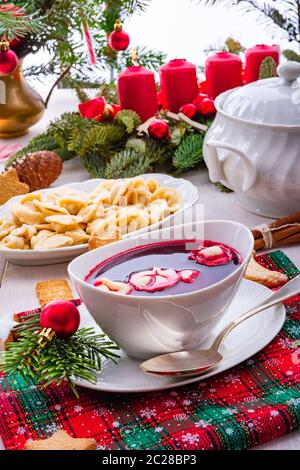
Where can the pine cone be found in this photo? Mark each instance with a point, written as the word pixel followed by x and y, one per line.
pixel 38 169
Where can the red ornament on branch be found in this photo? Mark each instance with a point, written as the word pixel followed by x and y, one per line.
pixel 119 40
pixel 159 130
pixel 207 107
pixel 199 98
pixel 188 110
pixel 62 316
pixel 8 59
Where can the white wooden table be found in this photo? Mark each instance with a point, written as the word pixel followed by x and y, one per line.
pixel 17 291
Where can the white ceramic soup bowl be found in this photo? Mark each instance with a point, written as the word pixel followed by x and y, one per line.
pixel 145 326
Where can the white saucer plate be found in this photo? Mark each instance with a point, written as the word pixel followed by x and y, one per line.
pixel 243 342
pixel 187 190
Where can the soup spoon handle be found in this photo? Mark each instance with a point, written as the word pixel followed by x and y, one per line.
pixel 287 291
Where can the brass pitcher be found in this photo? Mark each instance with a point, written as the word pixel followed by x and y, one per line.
pixel 20 106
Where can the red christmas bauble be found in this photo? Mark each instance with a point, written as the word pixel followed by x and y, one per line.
pixel 158 130
pixel 8 62
pixel 199 98
pixel 119 40
pixel 207 107
pixel 189 110
pixel 62 316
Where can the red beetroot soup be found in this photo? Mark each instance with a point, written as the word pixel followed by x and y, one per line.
pixel 166 268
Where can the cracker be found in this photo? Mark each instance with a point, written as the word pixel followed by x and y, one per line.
pixel 61 440
pixel 256 272
pixel 53 289
pixel 11 186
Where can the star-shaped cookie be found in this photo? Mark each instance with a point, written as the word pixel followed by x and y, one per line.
pixel 257 273
pixel 11 186
pixel 61 440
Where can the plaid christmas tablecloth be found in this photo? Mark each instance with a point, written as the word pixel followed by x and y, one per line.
pixel 250 404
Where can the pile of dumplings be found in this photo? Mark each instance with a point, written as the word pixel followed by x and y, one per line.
pixel 65 217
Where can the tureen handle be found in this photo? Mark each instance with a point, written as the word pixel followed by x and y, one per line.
pixel 289 71
pixel 216 163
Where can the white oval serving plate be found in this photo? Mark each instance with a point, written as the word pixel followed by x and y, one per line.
pixel 244 341
pixel 187 190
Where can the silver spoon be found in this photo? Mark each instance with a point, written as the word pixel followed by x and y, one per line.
pixel 198 361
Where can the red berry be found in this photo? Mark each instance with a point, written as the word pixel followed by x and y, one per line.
pixel 189 110
pixel 119 40
pixel 199 98
pixel 61 316
pixel 158 130
pixel 207 107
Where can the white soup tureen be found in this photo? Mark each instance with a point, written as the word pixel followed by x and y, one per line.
pixel 253 145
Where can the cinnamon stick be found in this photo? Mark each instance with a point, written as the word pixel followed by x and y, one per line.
pixel 280 237
pixel 289 240
pixel 289 219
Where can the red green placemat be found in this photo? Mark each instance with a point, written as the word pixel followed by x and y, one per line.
pixel 253 403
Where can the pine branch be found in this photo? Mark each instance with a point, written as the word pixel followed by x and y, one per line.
pixel 129 119
pixel 109 91
pixel 104 137
pixel 147 58
pixel 223 188
pixel 81 94
pixel 291 55
pixel 61 36
pixel 59 359
pixel 127 164
pixel 95 165
pixel 42 142
pixel 13 25
pixel 189 153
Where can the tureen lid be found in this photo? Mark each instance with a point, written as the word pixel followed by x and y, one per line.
pixel 270 101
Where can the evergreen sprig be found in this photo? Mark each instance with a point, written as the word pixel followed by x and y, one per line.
pixel 116 149
pixel 13 25
pixel 55 27
pixel 57 360
pixel 292 55
pixel 127 164
pixel 189 153
pixel 129 119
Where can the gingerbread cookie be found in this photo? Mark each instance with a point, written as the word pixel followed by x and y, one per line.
pixel 61 440
pixel 256 272
pixel 11 186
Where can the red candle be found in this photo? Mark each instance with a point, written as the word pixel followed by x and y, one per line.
pixel 137 91
pixel 223 72
pixel 178 84
pixel 255 56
